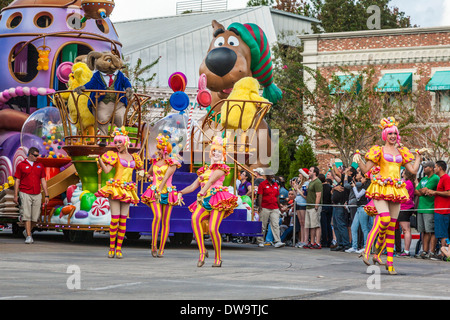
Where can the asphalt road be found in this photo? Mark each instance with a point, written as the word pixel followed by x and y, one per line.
pixel 54 269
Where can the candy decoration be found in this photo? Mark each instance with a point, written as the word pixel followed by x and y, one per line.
pixel 5 169
pixel 87 200
pixel 179 100
pixel 44 52
pixel 82 214
pixel 100 207
pixel 177 81
pixel 23 91
pixel 69 192
pixel 63 71
pixel 203 95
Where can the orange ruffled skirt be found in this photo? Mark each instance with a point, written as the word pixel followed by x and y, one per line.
pixel 387 193
pixel 119 190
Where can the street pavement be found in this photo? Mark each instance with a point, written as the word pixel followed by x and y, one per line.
pixel 54 269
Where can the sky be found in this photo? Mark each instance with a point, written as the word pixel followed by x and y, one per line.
pixel 429 13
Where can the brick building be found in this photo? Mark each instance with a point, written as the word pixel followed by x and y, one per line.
pixel 414 59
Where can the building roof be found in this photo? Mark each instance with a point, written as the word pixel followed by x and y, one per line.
pixel 139 34
pixel 43 3
pixel 183 40
pixel 375 32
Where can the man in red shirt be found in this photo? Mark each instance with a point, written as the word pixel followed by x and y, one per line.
pixel 441 202
pixel 30 175
pixel 269 209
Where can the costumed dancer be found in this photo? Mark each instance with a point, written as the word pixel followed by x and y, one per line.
pixel 387 189
pixel 214 202
pixel 161 195
pixel 120 190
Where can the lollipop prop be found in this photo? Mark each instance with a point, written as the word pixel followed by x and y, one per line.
pixel 179 100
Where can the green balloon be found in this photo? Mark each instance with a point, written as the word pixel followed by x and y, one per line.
pixel 86 201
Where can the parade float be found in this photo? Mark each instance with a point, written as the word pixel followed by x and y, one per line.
pixel 44 42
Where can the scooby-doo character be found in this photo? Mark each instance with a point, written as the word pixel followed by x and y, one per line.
pixel 107 77
pixel 240 51
pixel 81 74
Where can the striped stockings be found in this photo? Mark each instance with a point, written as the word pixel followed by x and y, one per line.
pixel 161 214
pixel 380 225
pixel 121 232
pixel 215 219
pixel 390 240
pixel 117 227
pixel 113 231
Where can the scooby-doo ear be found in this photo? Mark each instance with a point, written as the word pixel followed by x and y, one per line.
pixel 91 57
pixel 217 26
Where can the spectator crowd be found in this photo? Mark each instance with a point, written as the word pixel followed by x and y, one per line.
pixel 326 210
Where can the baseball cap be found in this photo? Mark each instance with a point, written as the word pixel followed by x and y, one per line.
pixel 259 170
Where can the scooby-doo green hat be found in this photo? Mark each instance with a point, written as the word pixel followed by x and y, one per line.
pixel 261 65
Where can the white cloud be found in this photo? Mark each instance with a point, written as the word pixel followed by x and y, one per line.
pixel 445 20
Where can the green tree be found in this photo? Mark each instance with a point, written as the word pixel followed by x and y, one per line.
pixel 345 117
pixel 287 114
pixel 140 80
pixel 304 157
pixel 256 3
pixel 139 77
pixel 5 3
pixel 351 15
pixel 286 155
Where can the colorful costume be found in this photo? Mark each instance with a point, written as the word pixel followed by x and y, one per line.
pixel 386 185
pixel 217 204
pixel 162 207
pixel 121 190
pixel 121 187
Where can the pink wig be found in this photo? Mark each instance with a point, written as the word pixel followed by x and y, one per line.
pixel 122 138
pixel 388 130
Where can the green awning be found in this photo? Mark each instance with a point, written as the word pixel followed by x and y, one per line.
pixel 439 81
pixel 395 82
pixel 348 82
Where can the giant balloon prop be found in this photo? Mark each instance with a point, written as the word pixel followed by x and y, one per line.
pixel 44 130
pixel 174 126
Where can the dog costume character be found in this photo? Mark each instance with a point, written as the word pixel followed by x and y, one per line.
pixel 240 51
pixel 81 74
pixel 236 52
pixel 245 89
pixel 108 77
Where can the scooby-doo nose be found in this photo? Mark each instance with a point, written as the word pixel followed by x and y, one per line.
pixel 220 61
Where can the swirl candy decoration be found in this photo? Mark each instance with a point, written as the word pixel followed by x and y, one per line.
pixel 100 207
pixel 5 169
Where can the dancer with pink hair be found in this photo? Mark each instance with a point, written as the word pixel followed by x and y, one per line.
pixel 161 195
pixel 120 190
pixel 387 190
